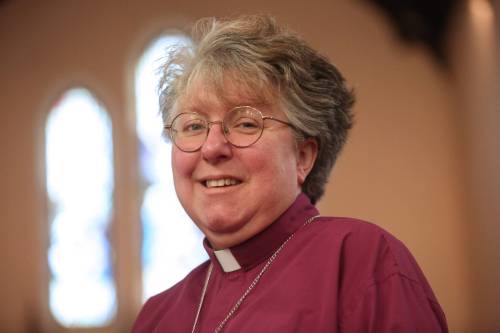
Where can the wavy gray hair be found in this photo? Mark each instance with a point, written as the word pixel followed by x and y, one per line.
pixel 270 63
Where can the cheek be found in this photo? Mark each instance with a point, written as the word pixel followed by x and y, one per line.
pixel 182 166
pixel 278 165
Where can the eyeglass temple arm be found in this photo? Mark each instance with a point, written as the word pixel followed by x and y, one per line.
pixel 279 120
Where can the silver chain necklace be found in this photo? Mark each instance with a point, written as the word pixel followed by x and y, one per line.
pixel 252 285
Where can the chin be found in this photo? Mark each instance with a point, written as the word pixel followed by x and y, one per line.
pixel 221 225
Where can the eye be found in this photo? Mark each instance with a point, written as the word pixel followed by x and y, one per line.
pixel 193 127
pixel 190 126
pixel 245 125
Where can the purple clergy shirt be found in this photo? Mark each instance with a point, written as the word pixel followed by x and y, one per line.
pixel 334 275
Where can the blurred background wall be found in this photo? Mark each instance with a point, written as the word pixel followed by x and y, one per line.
pixel 423 160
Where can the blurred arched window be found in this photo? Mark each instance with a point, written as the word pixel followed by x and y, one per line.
pixel 79 180
pixel 171 244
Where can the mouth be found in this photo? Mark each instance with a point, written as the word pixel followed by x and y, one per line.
pixel 221 182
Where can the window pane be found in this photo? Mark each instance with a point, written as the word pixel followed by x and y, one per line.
pixel 79 166
pixel 171 243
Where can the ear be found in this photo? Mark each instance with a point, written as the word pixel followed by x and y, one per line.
pixel 306 156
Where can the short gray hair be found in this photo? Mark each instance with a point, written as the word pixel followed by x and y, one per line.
pixel 269 62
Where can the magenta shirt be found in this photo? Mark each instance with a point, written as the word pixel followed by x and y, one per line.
pixel 334 275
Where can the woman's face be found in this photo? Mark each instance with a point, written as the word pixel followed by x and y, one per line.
pixel 264 179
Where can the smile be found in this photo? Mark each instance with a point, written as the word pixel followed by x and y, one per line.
pixel 221 182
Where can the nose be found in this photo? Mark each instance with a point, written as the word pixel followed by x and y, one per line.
pixel 216 148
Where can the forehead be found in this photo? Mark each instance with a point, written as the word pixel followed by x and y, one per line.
pixel 206 96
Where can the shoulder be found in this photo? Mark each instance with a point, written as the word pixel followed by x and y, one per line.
pixel 169 302
pixel 365 241
pixel 180 287
pixel 374 261
pixel 368 254
pixel 379 273
pixel 349 225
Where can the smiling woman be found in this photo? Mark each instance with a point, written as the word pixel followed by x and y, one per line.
pixel 258 119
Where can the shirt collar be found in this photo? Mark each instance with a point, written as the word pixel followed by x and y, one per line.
pixel 261 246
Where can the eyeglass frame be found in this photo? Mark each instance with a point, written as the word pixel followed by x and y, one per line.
pixel 225 130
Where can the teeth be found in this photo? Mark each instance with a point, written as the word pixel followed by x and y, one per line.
pixel 221 182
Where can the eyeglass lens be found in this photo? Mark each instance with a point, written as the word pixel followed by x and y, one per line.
pixel 242 127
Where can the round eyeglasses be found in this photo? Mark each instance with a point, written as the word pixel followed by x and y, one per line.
pixel 241 126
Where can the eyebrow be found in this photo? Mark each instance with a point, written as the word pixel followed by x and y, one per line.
pixel 228 107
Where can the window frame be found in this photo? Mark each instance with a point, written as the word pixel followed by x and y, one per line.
pixel 125 230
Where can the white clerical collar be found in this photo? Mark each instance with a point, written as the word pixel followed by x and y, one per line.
pixel 227 260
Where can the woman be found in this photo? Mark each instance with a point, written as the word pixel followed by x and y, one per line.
pixel 258 119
